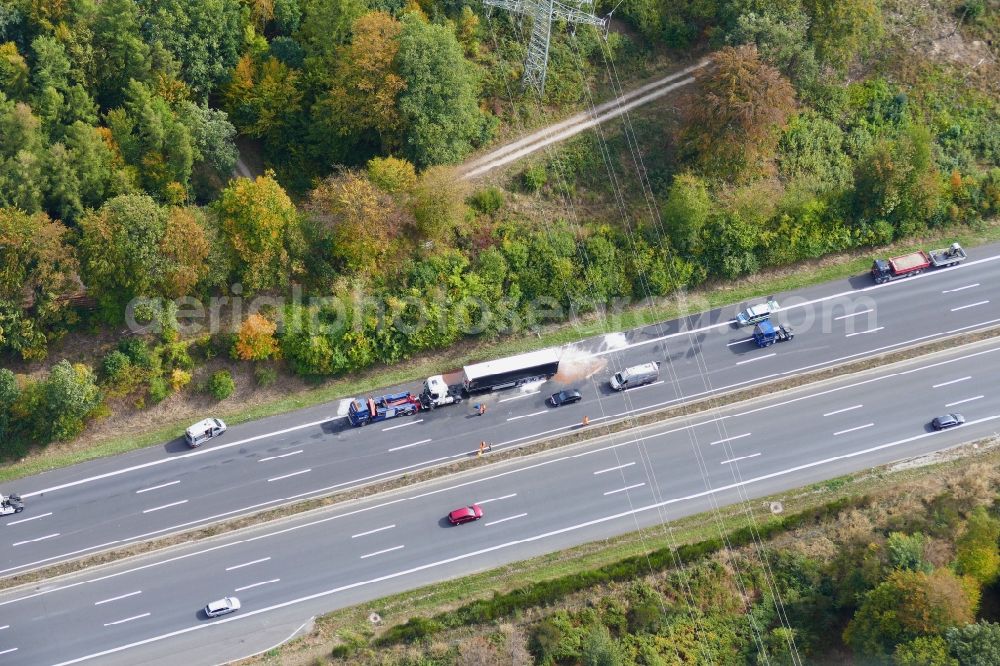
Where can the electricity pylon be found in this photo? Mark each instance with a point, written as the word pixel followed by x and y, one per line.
pixel 542 13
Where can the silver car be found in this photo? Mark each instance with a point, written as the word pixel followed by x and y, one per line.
pixel 222 606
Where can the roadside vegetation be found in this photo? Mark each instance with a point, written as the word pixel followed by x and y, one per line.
pixel 898 566
pixel 119 222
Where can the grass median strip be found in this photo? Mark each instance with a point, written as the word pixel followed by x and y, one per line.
pixel 473 461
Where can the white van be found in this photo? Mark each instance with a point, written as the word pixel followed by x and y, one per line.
pixel 637 375
pixel 204 430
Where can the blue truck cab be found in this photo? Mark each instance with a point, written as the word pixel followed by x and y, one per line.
pixel 766 333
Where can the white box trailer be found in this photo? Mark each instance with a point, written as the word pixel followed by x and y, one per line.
pixel 511 371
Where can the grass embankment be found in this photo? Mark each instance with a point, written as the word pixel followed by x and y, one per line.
pixel 704 298
pixel 883 496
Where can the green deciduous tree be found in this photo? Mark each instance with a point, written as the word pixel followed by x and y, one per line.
pixel 263 97
pixel 120 251
pixel 924 651
pixel 204 37
pixel 13 72
pixel 326 25
pixel 686 211
pixel 213 138
pixel 897 181
pixel 976 551
pixel 391 174
pixel 37 269
pixel 120 50
pixel 154 140
pixel 439 203
pixel 363 222
pixel 59 97
pixel 440 106
pixel 362 102
pixel 840 29
pixel 64 401
pixel 258 221
pixel 909 604
pixel 975 644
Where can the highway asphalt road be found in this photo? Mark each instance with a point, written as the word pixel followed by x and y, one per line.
pixel 147 610
pixel 114 501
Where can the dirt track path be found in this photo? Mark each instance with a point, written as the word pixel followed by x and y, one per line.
pixel 578 123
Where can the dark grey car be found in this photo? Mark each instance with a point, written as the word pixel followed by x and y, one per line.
pixel 947 421
pixel 566 397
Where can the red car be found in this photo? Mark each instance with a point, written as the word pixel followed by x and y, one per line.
pixel 466 514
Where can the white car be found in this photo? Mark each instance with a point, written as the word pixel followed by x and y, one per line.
pixel 756 313
pixel 222 606
pixel 204 430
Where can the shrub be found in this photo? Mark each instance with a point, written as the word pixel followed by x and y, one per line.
pixel 158 389
pixel 487 201
pixel 115 367
pixel 220 385
pixel 179 379
pixel 66 399
pixel 391 174
pixel 907 551
pixel 137 352
pixel 923 651
pixel 175 355
pixel 534 177
pixel 265 375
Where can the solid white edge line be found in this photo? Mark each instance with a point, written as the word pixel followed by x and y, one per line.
pixel 288 476
pixel 8 651
pixel 611 469
pixel 626 488
pixel 162 485
pixel 128 619
pixel 403 425
pixel 381 552
pixel 266 582
pixel 504 520
pixel 960 402
pixel 377 529
pixel 860 427
pixel 165 506
pixel 246 564
pixel 122 596
pixel 6 626
pixel 739 342
pixel 489 549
